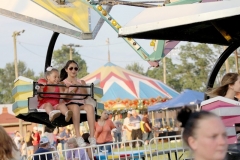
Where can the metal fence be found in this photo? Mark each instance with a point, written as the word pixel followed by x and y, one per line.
pixel 159 148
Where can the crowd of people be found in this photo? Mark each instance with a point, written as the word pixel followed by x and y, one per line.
pixel 134 126
pixel 36 141
pixel 107 131
pixel 203 131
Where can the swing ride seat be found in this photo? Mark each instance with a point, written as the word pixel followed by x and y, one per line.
pixel 40 116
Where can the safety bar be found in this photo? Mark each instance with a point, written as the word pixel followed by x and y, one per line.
pixel 36 87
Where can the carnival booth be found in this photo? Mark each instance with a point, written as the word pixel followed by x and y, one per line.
pixel 187 97
pixel 164 114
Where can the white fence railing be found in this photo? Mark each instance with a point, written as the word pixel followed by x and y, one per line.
pixel 159 148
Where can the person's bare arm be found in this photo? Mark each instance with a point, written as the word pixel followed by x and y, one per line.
pixel 34 138
pixel 66 90
pixel 89 153
pixel 61 138
pixel 63 90
pixel 40 90
pixel 148 126
pixel 83 90
pixel 126 127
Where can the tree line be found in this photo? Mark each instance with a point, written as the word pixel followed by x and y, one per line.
pixel 191 70
pixel 59 59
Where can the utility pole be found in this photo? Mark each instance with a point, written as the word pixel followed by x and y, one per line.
pixel 108 42
pixel 236 60
pixel 164 71
pixel 71 45
pixel 226 62
pixel 227 65
pixel 15 34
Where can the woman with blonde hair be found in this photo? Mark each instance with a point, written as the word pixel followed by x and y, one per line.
pixel 28 140
pixel 8 149
pixel 103 132
pixel 229 87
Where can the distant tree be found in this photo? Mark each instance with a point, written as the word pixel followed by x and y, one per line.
pixel 171 78
pixel 41 75
pixel 61 56
pixel 8 77
pixel 136 67
pixel 232 63
pixel 196 62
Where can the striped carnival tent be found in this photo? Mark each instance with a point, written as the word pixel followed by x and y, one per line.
pixel 119 83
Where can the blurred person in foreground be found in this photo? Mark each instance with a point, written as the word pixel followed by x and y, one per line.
pixel 8 149
pixel 204 133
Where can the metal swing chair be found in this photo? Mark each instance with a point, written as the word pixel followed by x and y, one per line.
pixel 40 116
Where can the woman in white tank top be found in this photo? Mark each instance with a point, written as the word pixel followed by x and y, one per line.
pixel 69 77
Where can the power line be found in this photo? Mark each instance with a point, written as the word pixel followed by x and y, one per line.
pixel 33 44
pixel 81 55
pixel 104 44
pixel 100 45
pixel 30 50
pixel 113 60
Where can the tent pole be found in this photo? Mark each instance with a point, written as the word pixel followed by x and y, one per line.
pixel 198 109
pixel 153 131
pixel 153 123
pixel 167 118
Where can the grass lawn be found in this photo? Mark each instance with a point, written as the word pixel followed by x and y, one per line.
pixel 160 146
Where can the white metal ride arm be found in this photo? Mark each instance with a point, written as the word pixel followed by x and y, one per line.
pixel 158 45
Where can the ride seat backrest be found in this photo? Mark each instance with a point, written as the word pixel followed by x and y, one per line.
pixel 32 103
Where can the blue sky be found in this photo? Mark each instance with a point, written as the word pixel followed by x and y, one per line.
pixel 32 45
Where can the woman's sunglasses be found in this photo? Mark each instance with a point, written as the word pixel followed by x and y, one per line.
pixel 75 68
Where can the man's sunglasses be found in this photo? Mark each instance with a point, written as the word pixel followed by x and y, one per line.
pixel 75 68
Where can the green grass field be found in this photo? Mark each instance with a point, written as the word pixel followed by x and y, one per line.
pixel 160 146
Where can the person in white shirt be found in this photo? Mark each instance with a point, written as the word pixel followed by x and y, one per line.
pixel 139 114
pixel 135 121
pixel 17 139
pixel 127 129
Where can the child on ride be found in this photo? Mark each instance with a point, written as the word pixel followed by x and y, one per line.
pixel 50 102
